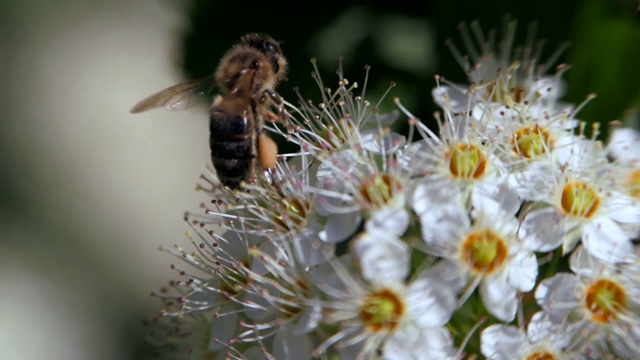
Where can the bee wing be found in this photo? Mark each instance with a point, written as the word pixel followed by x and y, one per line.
pixel 177 97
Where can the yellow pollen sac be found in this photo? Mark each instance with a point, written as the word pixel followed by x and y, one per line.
pixel 466 161
pixel 605 300
pixel 484 251
pixel 382 310
pixel 378 189
pixel 530 141
pixel 292 214
pixel 235 281
pixel 633 184
pixel 287 308
pixel 338 135
pixel 540 355
pixel 579 199
pixel 506 92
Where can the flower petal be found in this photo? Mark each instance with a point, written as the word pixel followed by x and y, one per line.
pixel 310 250
pixel 289 346
pixel 499 298
pixel 415 343
pixel 430 302
pixel 558 295
pixel 542 230
pixel 384 259
pixel 623 209
pixel 501 342
pixel 523 271
pixel 340 227
pixel 395 221
pixel 606 241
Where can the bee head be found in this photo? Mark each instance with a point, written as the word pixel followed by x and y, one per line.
pixel 266 45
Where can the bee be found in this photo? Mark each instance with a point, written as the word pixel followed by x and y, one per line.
pixel 246 76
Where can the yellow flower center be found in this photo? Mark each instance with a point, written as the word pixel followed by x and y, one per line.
pixel 530 141
pixel 506 92
pixel 605 300
pixel 382 310
pixel 377 190
pixel 540 355
pixel 579 199
pixel 292 214
pixel 338 135
pixel 466 161
pixel 290 305
pixel 234 282
pixel 484 250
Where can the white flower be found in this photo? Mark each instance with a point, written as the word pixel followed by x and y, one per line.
pixel 542 340
pixel 582 205
pixel 380 309
pixel 624 146
pixel 504 75
pixel 482 249
pixel 457 155
pixel 600 301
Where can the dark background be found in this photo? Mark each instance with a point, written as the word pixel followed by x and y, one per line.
pixel 88 192
pixel 603 53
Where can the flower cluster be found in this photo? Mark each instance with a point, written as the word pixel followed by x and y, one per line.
pixel 505 233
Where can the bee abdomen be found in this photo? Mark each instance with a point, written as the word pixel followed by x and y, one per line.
pixel 232 149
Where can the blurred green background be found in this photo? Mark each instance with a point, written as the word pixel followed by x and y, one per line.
pixel 88 191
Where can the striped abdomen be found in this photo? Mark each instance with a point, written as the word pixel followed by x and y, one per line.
pixel 232 141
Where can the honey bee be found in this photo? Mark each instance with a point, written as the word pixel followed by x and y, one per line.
pixel 247 76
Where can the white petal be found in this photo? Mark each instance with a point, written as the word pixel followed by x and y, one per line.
pixel 536 182
pixel 499 298
pixel 268 248
pixel 450 97
pixel 222 329
pixel 371 140
pixel 523 271
pixel 340 227
pixel 583 263
pixel 449 273
pixel 606 241
pixel 558 295
pixel 391 220
pixel 289 346
pixel 430 302
pixel 310 250
pixel 502 342
pixel 384 258
pixel 415 157
pixel 578 153
pixel 443 228
pixel 496 199
pixel 434 192
pixel 415 343
pixel 257 307
pixel 624 145
pixel 542 230
pixel 309 319
pixel 623 209
pixel 541 328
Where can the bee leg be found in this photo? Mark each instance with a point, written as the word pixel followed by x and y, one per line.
pixel 283 115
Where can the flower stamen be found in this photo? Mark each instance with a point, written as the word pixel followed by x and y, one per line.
pixel 605 300
pixel 484 250
pixel 382 310
pixel 579 199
